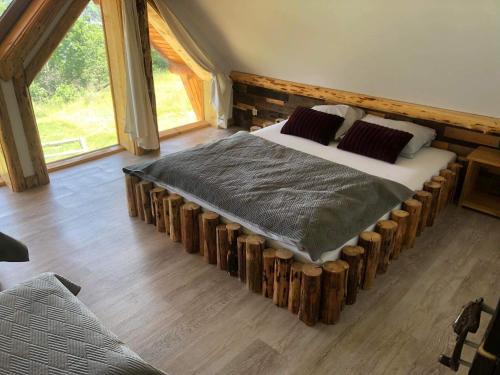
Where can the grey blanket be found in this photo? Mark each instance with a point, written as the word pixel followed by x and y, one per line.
pixel 45 329
pixel 312 203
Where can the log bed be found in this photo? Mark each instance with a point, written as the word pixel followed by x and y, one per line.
pixel 314 292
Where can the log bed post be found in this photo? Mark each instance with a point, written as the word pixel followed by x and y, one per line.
pixel 254 249
pixel 353 255
pixel 283 264
pixel 268 258
pixel 310 294
pixel 294 287
pixel 457 168
pixel 233 231
pixel 157 210
pixel 201 234
pixel 130 182
pixel 442 192
pixel 333 286
pixel 434 188
pixel 449 176
pixel 210 222
pixel 370 242
pixel 189 227
pixel 222 246
pixel 426 199
pixel 400 217
pixel 414 209
pixel 138 198
pixel 174 212
pixel 241 248
pixel 387 230
pixel 145 187
pixel 166 214
pixel 344 264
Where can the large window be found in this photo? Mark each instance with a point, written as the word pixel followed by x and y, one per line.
pixel 71 95
pixel 172 104
pixel 4 4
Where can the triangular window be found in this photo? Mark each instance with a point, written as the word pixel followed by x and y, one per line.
pixel 71 95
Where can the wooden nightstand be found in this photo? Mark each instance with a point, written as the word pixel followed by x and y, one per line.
pixel 481 190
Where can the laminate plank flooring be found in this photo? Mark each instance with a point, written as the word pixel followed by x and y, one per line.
pixel 186 317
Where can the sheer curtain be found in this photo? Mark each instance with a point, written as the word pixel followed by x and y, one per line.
pixel 139 123
pixel 221 84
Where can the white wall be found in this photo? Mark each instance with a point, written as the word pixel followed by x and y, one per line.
pixel 443 53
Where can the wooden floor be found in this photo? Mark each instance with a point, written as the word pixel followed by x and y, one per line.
pixel 185 316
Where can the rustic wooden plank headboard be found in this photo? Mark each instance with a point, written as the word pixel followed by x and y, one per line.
pixel 262 101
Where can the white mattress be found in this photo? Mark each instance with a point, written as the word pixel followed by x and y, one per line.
pixel 409 172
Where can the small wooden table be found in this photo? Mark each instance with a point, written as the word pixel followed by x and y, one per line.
pixel 484 197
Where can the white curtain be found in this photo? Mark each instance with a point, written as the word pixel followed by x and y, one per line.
pixel 221 84
pixel 140 123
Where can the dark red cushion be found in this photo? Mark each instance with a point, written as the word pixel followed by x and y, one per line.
pixel 375 141
pixel 314 125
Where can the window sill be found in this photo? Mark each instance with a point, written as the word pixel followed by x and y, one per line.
pixel 103 152
pixel 165 134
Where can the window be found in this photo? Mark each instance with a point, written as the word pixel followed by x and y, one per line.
pixel 71 95
pixel 172 103
pixel 4 4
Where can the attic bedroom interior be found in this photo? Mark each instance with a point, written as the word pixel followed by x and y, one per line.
pixel 235 187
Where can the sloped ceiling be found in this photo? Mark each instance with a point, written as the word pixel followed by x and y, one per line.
pixel 440 53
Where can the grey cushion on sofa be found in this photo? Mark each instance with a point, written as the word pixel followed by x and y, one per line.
pixel 45 329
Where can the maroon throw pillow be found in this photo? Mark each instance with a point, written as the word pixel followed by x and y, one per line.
pixel 375 141
pixel 311 124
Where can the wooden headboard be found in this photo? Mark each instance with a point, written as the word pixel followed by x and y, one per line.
pixel 262 101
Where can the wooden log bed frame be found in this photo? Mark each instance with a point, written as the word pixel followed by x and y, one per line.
pixel 315 293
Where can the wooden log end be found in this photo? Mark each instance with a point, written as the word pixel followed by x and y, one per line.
pixel 210 220
pixel 254 249
pixel 294 287
pixel 241 243
pixel 174 213
pixel 370 241
pixel 310 294
pixel 387 230
pixel 354 256
pixel 282 269
pixel 414 209
pixel 268 257
pixel 333 289
pixel 222 246
pixel 190 227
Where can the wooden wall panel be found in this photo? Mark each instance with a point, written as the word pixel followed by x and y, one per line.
pixel 277 89
pixel 262 106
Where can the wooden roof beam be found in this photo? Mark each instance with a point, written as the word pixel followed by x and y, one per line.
pixel 56 35
pixel 24 35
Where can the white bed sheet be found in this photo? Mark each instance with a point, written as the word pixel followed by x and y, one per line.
pixel 409 172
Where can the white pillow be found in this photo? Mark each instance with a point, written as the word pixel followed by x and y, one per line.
pixel 422 135
pixel 350 115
